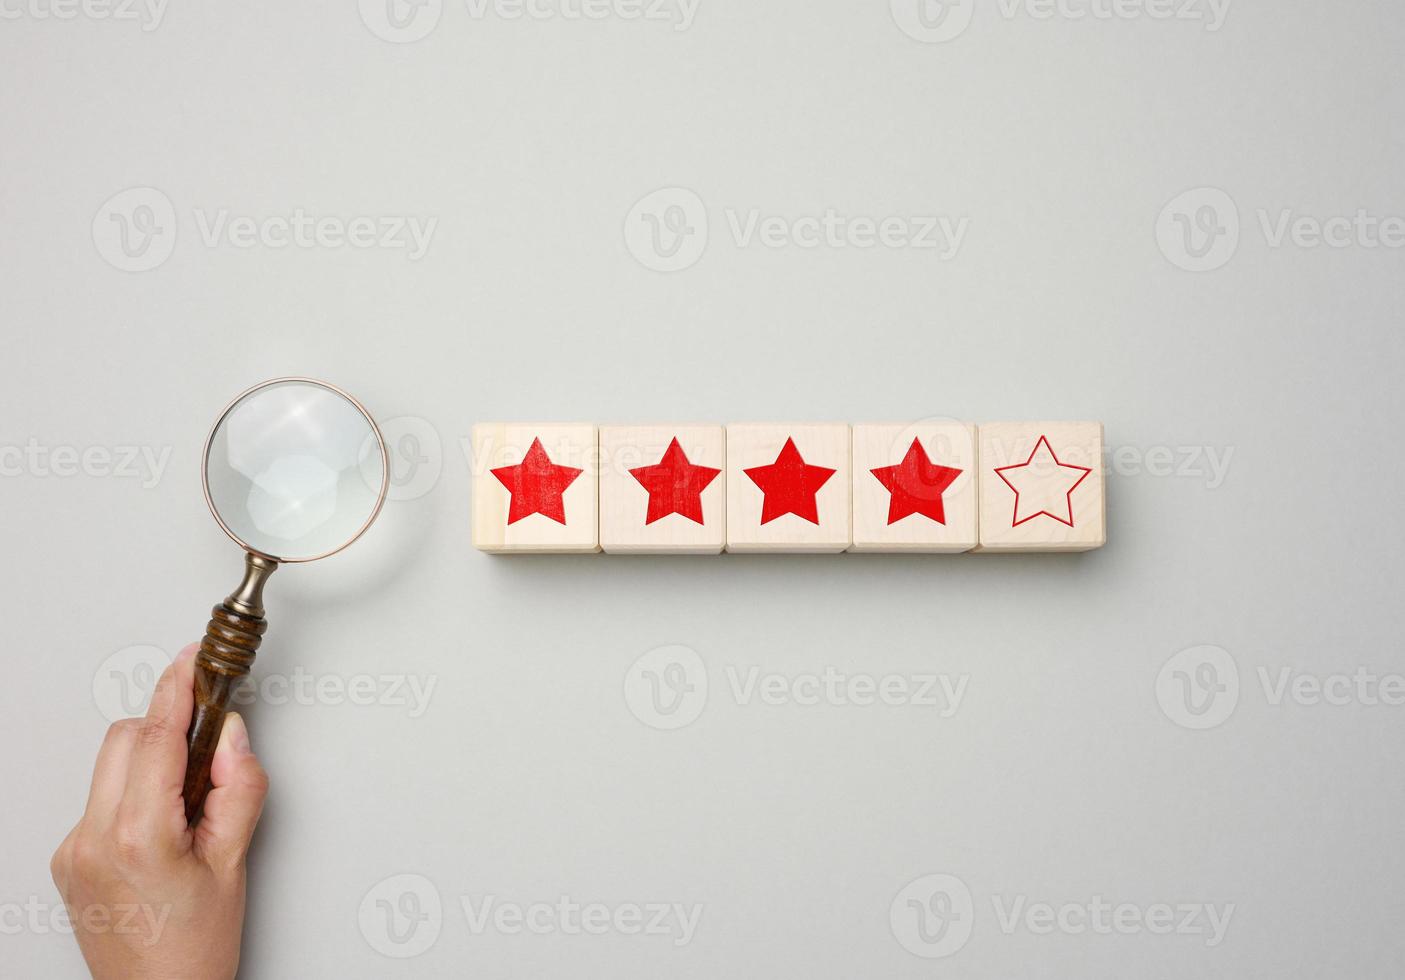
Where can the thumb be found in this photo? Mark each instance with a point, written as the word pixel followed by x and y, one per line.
pixel 238 787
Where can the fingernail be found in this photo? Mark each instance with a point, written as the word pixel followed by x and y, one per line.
pixel 187 653
pixel 238 734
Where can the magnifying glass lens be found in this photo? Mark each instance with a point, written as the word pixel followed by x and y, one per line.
pixel 287 470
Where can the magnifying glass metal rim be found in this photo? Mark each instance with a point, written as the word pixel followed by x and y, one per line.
pixel 210 439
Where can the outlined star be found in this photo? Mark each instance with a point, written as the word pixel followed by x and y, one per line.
pixel 675 485
pixel 1042 482
pixel 789 485
pixel 536 485
pixel 916 485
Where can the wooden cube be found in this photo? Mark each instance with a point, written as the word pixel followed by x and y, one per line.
pixel 788 488
pixel 915 487
pixel 535 487
pixel 662 489
pixel 1041 486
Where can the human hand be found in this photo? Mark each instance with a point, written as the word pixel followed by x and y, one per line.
pixel 148 895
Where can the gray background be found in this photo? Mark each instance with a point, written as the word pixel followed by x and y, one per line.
pixel 1062 776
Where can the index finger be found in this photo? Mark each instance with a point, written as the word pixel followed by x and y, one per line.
pixel 156 770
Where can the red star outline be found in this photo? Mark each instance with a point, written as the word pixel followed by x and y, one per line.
pixel 916 485
pixel 789 485
pixel 536 485
pixel 1043 441
pixel 675 485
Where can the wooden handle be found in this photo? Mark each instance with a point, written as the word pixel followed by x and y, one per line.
pixel 232 639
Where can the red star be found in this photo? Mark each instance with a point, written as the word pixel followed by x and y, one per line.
pixel 917 485
pixel 1047 484
pixel 790 485
pixel 675 485
pixel 536 485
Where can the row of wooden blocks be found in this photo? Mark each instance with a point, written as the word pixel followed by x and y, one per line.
pixel 933 486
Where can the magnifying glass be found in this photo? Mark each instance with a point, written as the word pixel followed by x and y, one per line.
pixel 290 474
